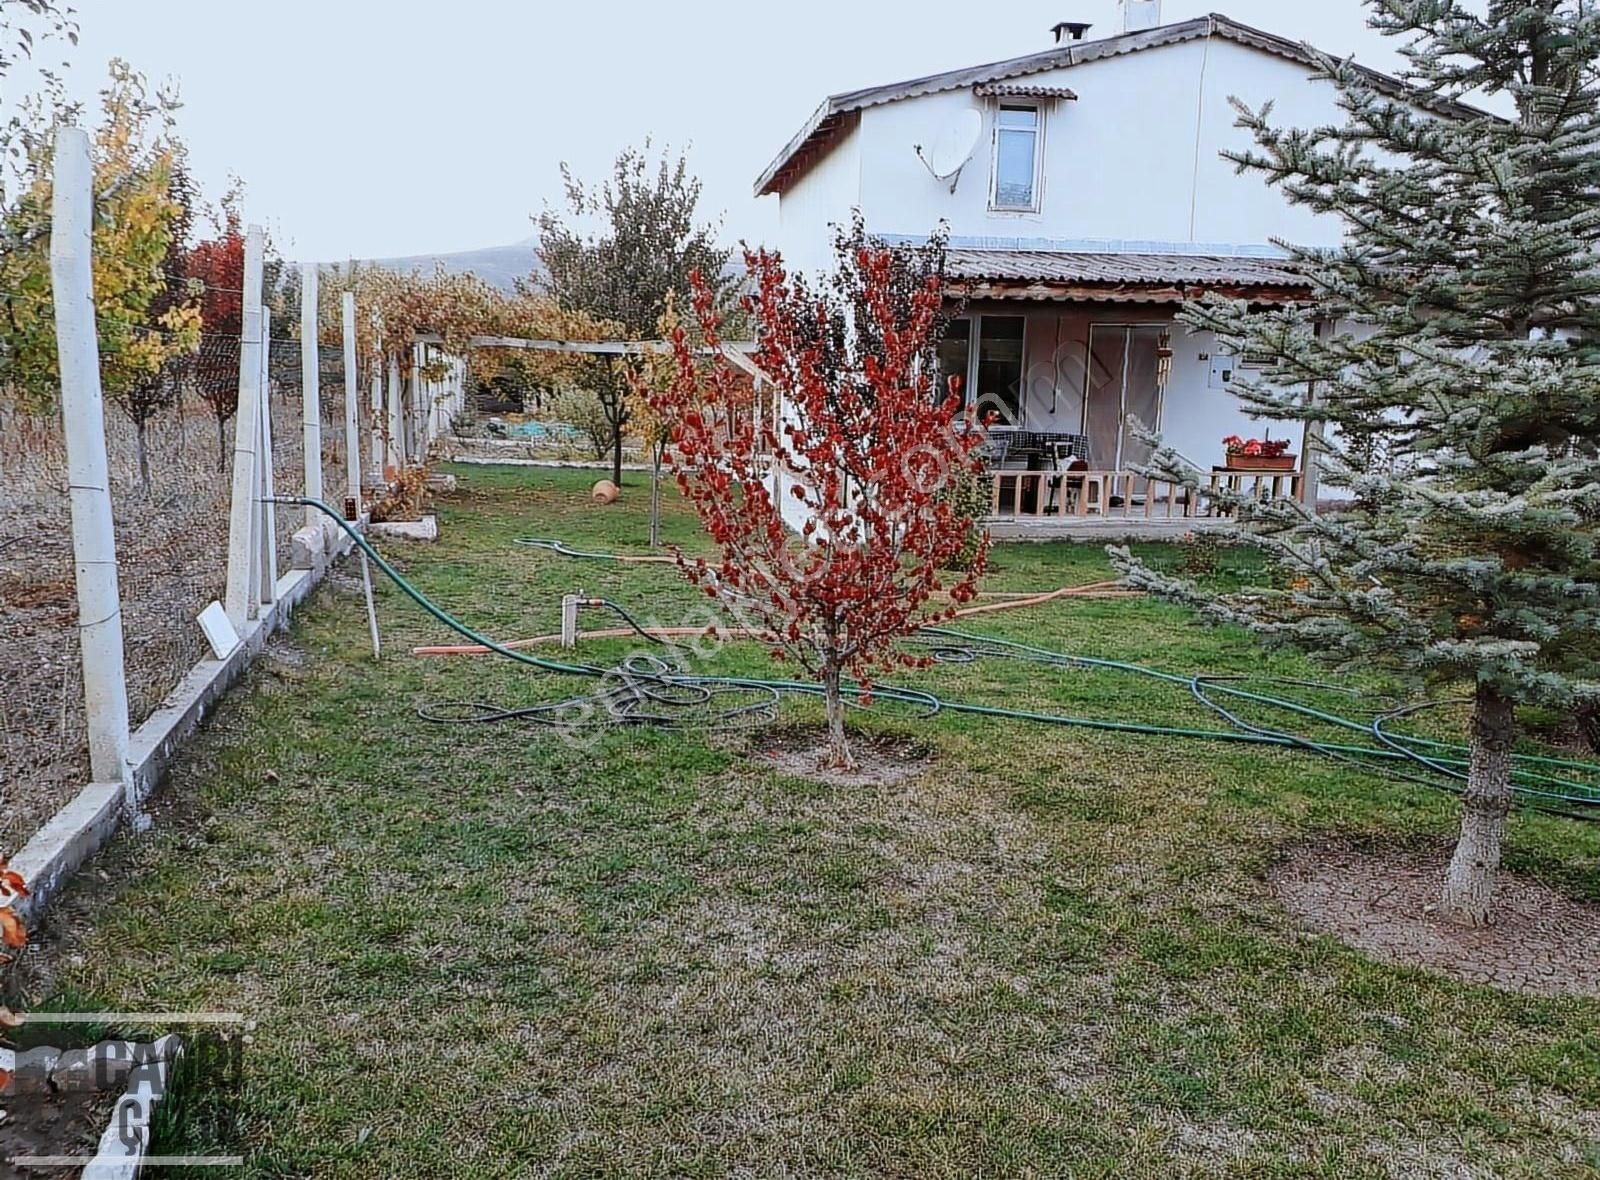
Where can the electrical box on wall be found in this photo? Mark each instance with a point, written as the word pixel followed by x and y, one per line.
pixel 1222 368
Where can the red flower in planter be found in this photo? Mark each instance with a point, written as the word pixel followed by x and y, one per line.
pixel 1256 448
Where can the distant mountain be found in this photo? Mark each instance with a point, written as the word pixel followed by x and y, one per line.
pixel 500 266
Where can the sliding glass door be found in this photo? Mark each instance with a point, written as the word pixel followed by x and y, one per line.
pixel 1124 385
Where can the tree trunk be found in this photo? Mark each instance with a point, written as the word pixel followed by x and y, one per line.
pixel 1469 883
pixel 616 454
pixel 655 502
pixel 143 452
pixel 839 755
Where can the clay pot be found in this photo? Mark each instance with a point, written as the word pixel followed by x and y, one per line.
pixel 604 492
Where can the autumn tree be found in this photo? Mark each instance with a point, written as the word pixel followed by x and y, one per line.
pixel 1468 553
pixel 647 246
pixel 144 390
pixel 136 159
pixel 869 439
pixel 216 265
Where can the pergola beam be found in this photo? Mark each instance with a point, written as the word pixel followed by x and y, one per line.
pixel 585 347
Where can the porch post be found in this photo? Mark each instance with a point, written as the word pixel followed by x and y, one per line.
pixel 1311 438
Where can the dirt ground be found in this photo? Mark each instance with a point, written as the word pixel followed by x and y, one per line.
pixel 1384 903
pixel 804 753
pixel 55 1124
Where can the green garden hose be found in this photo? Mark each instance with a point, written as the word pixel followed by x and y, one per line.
pixel 656 691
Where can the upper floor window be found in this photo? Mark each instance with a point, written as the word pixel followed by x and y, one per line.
pixel 1017 143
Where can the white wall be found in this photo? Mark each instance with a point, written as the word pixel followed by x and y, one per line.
pixel 1135 159
pixel 824 197
pixel 1243 209
pixel 1108 158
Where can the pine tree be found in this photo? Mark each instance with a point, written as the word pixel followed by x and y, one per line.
pixel 1462 419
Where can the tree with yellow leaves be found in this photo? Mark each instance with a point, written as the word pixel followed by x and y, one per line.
pixel 148 320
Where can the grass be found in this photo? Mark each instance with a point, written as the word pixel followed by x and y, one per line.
pixel 486 951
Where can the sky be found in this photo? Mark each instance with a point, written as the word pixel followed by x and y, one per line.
pixel 383 128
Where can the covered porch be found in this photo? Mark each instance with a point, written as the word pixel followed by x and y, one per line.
pixel 1073 351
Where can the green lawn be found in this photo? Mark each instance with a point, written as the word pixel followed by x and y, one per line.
pixel 487 951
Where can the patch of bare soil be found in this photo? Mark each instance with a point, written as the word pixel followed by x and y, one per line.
pixel 45 1125
pixel 1384 903
pixel 803 753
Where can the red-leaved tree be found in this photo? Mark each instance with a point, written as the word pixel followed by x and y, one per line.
pixel 869 440
pixel 219 264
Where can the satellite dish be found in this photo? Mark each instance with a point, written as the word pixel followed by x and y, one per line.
pixel 953 147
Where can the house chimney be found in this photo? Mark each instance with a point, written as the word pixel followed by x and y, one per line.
pixel 1138 15
pixel 1071 30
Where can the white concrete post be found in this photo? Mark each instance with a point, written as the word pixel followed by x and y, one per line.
pixel 435 390
pixel 94 547
pixel 394 458
pixel 311 393
pixel 268 531
pixel 417 443
pixel 376 447
pixel 352 409
pixel 245 515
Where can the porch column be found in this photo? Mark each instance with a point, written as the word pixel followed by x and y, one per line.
pixel 1311 439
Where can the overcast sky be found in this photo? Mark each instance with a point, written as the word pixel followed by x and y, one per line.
pixel 375 128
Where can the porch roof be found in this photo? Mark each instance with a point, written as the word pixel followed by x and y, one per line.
pixel 1070 275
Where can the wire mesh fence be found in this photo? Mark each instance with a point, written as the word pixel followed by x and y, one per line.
pixel 171 519
pixel 172 541
pixel 43 738
pixel 286 394
pixel 171 488
pixel 335 454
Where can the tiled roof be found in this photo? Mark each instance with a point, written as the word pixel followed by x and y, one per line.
pixel 1159 278
pixel 1023 90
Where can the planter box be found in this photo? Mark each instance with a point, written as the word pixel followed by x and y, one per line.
pixel 1262 463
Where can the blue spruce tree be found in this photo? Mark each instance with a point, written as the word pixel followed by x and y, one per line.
pixel 1449 368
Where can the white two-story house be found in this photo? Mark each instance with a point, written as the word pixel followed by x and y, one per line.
pixel 1087 198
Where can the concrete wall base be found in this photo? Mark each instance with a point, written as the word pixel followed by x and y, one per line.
pixel 85 825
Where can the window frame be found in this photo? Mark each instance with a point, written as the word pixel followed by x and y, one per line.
pixel 975 366
pixel 1038 109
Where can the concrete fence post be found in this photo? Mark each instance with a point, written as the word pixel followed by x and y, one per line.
pixel 105 685
pixel 311 393
pixel 416 441
pixel 245 513
pixel 394 457
pixel 376 448
pixel 352 408
pixel 268 518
